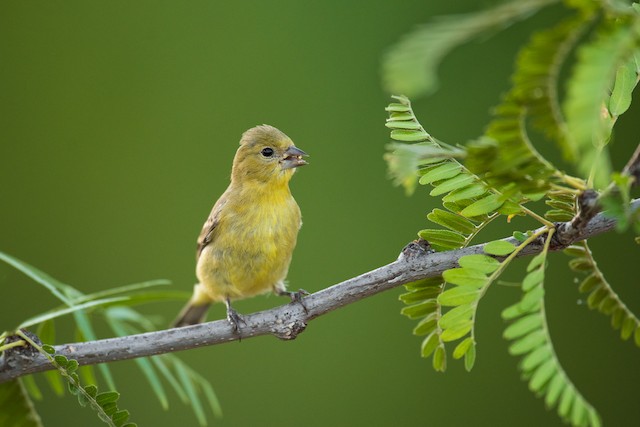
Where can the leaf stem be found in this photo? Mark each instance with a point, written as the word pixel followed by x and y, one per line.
pixel 537 217
pixel 513 255
pixel 92 401
pixel 19 343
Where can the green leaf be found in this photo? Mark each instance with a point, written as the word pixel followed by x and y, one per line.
pixel 440 172
pixel 91 390
pixel 455 183
pixel 398 108
pixel 556 386
pixel 567 398
pixel 16 409
pixel 536 261
pixel 527 343
pixel 499 248
pixel 161 362
pixel 542 375
pixel 61 360
pixel 61 312
pixel 403 123
pixel 212 399
pixel 451 221
pixel 457 316
pixel 479 262
pixel 431 282
pixel 418 310
pixel 532 279
pixel 410 67
pixel 54 286
pixel 122 290
pixel 408 135
pixel 532 299
pixel 483 206
pixel 429 344
pixel 426 325
pixel 49 349
pixel 536 358
pixel 110 408
pixel 189 387
pixel 459 295
pixel 465 277
pixel 440 359
pixel 626 81
pixel 468 192
pixel 590 283
pixel 617 317
pixel 442 239
pixel 120 417
pixel 558 215
pixel 596 297
pixel 457 332
pixel 523 326
pixel 580 264
pixel 462 348
pixel 470 358
pixel 420 295
pixel 512 312
pixel 107 397
pixel 72 366
pixel 563 206
pixel 628 326
pixel 403 167
pixel 519 236
pixel 578 413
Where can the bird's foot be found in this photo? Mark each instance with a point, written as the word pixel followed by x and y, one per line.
pixel 296 296
pixel 234 319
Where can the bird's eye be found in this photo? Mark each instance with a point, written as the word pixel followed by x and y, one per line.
pixel 267 152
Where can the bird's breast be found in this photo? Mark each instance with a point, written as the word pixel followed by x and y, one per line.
pixel 252 248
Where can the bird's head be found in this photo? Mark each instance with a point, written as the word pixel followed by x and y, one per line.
pixel 266 154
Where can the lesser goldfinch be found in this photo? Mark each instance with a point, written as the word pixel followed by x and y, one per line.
pixel 246 244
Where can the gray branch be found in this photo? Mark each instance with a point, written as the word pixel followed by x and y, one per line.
pixel 286 322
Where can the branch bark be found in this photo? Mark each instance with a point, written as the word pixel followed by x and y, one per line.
pixel 285 322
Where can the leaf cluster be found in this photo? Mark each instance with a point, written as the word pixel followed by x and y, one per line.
pixel 531 341
pixel 600 295
pixel 502 172
pixel 115 307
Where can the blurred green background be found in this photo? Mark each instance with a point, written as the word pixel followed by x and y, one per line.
pixel 118 124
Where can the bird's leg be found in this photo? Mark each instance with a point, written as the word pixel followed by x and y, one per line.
pixel 233 317
pixel 295 296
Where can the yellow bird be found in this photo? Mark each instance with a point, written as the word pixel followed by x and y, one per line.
pixel 246 244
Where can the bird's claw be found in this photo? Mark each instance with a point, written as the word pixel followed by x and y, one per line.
pixel 297 296
pixel 235 319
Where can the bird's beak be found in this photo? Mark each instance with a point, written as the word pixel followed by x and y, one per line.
pixel 293 158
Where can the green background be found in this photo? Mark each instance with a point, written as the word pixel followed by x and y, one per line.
pixel 118 125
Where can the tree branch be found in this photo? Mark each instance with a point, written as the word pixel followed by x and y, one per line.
pixel 414 263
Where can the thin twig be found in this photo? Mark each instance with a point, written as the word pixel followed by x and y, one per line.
pixel 286 322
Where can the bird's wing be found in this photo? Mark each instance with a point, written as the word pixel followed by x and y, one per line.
pixel 206 235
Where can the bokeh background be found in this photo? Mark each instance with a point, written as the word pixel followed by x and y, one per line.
pixel 118 124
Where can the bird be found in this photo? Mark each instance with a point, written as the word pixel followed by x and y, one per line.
pixel 246 244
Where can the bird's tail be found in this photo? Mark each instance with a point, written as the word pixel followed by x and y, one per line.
pixel 191 314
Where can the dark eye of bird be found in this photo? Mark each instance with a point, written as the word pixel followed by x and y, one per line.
pixel 267 152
